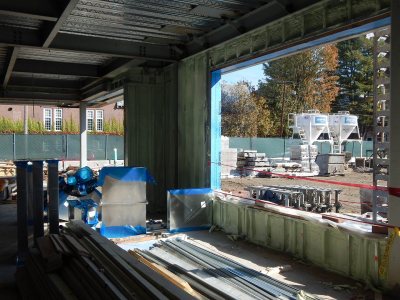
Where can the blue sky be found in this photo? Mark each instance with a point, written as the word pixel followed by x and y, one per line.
pixel 252 74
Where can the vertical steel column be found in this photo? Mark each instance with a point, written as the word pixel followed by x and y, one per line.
pixel 52 191
pixel 37 191
pixel 83 132
pixel 394 133
pixel 394 171
pixel 22 209
pixel 29 179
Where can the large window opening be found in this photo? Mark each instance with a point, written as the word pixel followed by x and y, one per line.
pixel 308 114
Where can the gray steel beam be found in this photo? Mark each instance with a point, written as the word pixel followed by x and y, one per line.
pixel 24 101
pixel 37 191
pixel 22 210
pixel 24 82
pixel 87 44
pixel 258 17
pixel 117 48
pixel 39 95
pixel 52 191
pixel 51 33
pixel 46 10
pixel 12 57
pixel 56 68
pixel 394 120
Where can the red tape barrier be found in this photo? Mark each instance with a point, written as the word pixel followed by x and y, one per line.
pixel 392 191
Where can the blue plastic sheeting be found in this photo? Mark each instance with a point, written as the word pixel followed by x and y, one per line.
pixel 125 174
pixel 191 191
pixel 116 232
pixel 186 229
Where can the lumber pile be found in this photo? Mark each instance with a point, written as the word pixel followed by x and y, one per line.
pixel 7 169
pixel 81 264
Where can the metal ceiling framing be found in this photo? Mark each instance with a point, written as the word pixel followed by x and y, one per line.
pixel 48 46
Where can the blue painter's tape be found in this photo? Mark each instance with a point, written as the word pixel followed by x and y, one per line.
pixel 127 174
pixel 115 232
pixel 215 168
pixel 186 229
pixel 191 191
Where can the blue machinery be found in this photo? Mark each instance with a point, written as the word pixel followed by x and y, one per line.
pixel 81 185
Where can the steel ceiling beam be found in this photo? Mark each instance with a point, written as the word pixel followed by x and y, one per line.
pixel 56 68
pixel 12 57
pixel 45 10
pixel 116 48
pixel 18 94
pixel 260 16
pixel 87 44
pixel 43 82
pixel 52 32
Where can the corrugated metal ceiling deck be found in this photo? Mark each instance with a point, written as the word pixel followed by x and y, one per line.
pixel 63 56
pixel 91 41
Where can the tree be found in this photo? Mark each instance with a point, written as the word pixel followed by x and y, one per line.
pixel 356 80
pixel 244 113
pixel 300 82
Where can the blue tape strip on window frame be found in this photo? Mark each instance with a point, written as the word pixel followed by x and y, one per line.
pixel 191 191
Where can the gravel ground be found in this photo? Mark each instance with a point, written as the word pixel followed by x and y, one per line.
pixel 350 196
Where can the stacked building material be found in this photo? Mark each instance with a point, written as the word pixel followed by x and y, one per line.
pixel 305 155
pixel 250 162
pixel 81 264
pixel 316 199
pixel 216 276
pixel 228 159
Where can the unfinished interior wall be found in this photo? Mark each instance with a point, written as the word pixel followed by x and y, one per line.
pixel 168 126
pixel 194 122
pixel 151 129
pixel 345 252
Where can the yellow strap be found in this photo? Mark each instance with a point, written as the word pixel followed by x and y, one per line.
pixel 385 260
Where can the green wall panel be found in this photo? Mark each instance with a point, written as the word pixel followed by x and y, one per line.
pixel 168 126
pixel 151 126
pixel 193 122
pixel 349 253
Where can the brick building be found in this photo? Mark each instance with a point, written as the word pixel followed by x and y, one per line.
pixel 53 117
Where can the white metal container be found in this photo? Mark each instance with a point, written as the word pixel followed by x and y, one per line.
pixel 343 124
pixel 310 125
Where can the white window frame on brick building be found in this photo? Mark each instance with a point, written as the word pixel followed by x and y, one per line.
pixel 99 120
pixel 95 120
pixel 48 119
pixel 58 119
pixel 90 119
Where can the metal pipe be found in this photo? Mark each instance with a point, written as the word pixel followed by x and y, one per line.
pixel 52 192
pixel 29 178
pixel 83 134
pixel 22 210
pixel 37 191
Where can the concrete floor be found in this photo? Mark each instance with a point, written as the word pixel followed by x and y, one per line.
pixel 309 278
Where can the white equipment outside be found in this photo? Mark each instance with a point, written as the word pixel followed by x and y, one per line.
pixel 335 129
